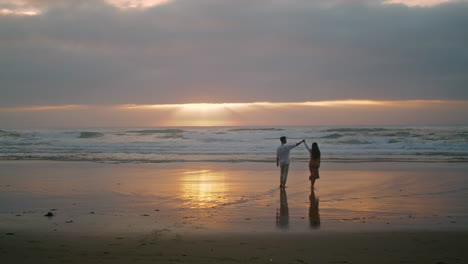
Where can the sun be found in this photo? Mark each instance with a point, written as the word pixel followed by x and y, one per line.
pixel 197 114
pixel 208 108
pixel 232 114
pixel 205 114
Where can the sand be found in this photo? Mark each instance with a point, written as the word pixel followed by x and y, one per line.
pixel 232 212
pixel 164 246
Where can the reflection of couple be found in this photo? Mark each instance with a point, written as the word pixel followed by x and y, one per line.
pixel 282 215
pixel 282 160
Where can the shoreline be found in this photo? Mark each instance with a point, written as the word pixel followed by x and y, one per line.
pixel 410 159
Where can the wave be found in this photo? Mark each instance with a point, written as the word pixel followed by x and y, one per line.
pixel 400 134
pixel 332 136
pixel 245 144
pixel 90 135
pixel 4 133
pixel 156 131
pixel 351 159
pixel 354 142
pixel 441 153
pixel 255 129
pixel 22 144
pixel 357 130
pixel 219 140
pixel 462 135
pixel 172 136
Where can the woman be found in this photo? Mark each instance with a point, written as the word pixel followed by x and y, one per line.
pixel 314 163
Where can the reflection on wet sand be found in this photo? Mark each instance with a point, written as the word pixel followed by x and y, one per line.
pixel 314 216
pixel 282 215
pixel 203 188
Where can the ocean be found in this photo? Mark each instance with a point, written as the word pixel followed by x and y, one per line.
pixel 236 144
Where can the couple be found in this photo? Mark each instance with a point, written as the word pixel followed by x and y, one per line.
pixel 282 160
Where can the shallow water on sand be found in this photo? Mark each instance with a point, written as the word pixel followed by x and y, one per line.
pixel 233 197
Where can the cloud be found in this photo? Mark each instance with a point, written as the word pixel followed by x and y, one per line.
pixel 138 4
pixel 17 8
pixel 90 52
pixel 43 108
pixel 425 3
pixel 347 112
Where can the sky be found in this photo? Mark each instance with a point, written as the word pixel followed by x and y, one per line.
pixel 88 63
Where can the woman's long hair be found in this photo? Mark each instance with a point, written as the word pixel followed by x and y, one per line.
pixel 315 153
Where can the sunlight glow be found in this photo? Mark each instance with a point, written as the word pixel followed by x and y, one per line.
pixel 226 114
pixel 203 188
pixel 234 114
pixel 207 107
pixel 340 112
pixel 201 107
pixel 137 4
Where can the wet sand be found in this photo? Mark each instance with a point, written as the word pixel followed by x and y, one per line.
pixel 232 212
pixel 164 246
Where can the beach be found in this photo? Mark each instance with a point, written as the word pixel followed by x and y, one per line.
pixel 150 131
pixel 201 212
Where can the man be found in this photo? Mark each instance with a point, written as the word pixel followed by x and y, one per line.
pixel 282 159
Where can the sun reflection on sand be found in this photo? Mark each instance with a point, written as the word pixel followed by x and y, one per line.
pixel 203 188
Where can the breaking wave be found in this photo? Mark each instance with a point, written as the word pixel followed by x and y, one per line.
pixel 255 129
pixel 90 135
pixel 332 136
pixel 156 131
pixel 356 130
pixel 236 144
pixel 9 134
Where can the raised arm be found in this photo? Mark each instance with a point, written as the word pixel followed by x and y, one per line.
pixel 307 147
pixel 298 143
pixel 291 146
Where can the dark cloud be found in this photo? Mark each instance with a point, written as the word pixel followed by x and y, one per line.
pixel 233 51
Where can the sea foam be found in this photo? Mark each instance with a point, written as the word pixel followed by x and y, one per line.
pixel 236 144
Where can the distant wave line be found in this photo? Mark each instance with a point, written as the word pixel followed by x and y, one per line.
pixel 83 158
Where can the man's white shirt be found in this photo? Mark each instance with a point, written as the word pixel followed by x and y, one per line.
pixel 282 153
